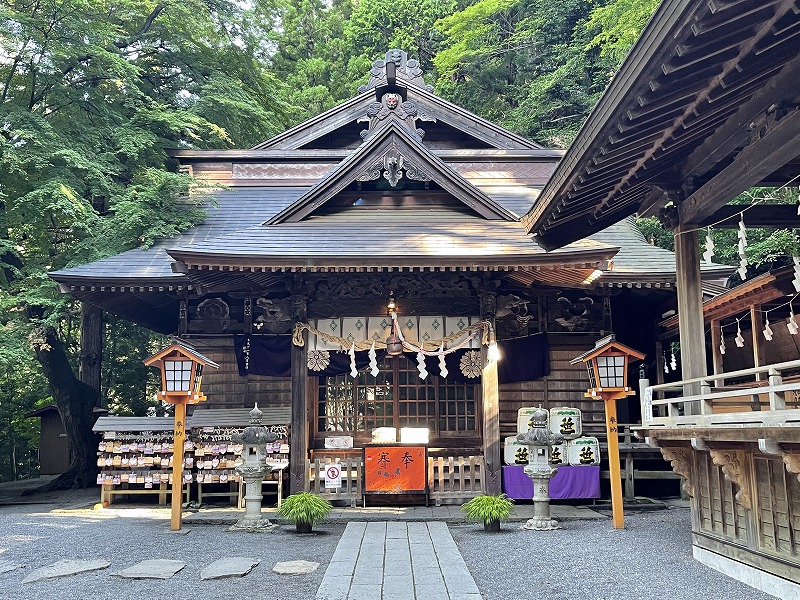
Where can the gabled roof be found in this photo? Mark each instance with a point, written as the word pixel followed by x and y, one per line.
pixel 608 343
pixel 183 348
pixel 376 239
pixel 369 161
pixel 436 108
pixel 702 108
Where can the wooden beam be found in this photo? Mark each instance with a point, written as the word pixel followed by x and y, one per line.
pixel 690 306
pixel 730 136
pixel 757 215
pixel 778 145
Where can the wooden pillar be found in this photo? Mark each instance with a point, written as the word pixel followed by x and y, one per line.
pixel 690 308
pixel 759 351
pixel 492 454
pixel 491 428
pixel 178 437
pixel 716 354
pixel 298 451
pixel 298 438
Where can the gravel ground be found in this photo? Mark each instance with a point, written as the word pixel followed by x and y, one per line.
pixel 651 559
pixel 39 539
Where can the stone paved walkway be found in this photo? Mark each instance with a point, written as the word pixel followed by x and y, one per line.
pixel 390 560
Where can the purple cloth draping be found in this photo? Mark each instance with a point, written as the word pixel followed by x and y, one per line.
pixel 569 482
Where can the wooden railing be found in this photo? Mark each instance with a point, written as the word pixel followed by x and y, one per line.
pixel 455 477
pixel 449 478
pixel 632 449
pixel 352 477
pixel 771 401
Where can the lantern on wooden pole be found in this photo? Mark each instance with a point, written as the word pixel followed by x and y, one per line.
pixel 607 364
pixel 181 369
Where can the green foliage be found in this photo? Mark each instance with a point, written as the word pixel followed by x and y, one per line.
pixel 92 92
pixel 767 249
pixel 617 25
pixel 485 508
pixel 304 507
pixel 525 64
pixel 655 233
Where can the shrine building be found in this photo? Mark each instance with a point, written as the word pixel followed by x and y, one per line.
pixel 394 196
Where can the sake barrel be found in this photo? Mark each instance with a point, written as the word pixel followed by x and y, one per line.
pixel 583 451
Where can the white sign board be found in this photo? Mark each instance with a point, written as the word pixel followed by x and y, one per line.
pixel 648 404
pixel 333 477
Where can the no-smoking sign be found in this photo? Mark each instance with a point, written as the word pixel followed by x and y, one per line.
pixel 333 477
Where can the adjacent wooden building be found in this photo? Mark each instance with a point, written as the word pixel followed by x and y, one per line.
pixel 394 193
pixel 705 107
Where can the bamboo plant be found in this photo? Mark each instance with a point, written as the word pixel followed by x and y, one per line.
pixel 305 510
pixel 489 509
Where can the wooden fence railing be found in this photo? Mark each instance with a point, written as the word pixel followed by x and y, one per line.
pixel 449 478
pixel 761 403
pixel 352 471
pixel 455 477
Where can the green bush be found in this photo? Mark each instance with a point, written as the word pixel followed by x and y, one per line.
pixel 304 507
pixel 487 508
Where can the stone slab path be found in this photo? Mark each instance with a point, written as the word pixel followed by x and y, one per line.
pixel 390 560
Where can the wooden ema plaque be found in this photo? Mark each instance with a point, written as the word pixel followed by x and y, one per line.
pixel 396 469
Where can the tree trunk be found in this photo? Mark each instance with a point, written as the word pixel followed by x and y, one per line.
pixel 91 360
pixel 75 401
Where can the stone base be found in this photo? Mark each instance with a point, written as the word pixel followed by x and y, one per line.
pixel 760 580
pixel 541 524
pixel 253 525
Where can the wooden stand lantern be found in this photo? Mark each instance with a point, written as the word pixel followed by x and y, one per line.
pixel 607 363
pixel 181 375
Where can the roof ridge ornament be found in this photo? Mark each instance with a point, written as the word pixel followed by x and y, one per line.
pixel 407 71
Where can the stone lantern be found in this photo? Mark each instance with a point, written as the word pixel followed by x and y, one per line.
pixel 540 440
pixel 254 468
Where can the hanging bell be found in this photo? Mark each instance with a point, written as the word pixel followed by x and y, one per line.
pixel 394 345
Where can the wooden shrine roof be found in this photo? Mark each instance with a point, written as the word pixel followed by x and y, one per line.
pixel 704 107
pixel 767 289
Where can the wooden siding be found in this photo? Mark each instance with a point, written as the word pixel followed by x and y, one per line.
pixel 563 387
pixel 225 388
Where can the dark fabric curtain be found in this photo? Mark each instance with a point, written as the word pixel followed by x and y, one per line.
pixel 523 359
pixel 264 355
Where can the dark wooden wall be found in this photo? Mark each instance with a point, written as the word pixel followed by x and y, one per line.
pixel 225 388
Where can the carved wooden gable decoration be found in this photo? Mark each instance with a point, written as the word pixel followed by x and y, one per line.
pixel 393 152
pixel 396 89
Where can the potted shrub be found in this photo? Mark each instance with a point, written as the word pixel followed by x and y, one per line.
pixel 304 510
pixel 492 510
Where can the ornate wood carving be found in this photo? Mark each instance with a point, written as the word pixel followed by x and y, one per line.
pixel 276 315
pixel 488 304
pixel 330 288
pixel 393 165
pixel 680 459
pixel 792 462
pixel 392 105
pixel 511 316
pixel 407 70
pixel 732 463
pixel 577 312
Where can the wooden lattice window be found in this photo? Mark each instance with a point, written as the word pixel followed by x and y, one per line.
pixel 396 397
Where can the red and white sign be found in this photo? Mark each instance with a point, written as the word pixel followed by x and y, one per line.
pixel 333 477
